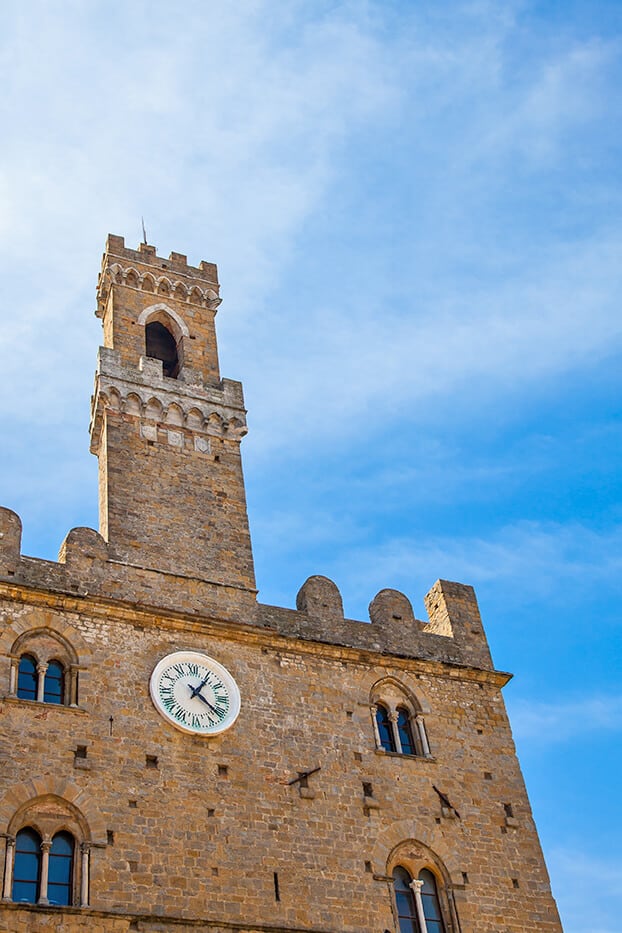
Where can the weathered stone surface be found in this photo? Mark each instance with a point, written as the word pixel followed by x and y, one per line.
pixel 294 818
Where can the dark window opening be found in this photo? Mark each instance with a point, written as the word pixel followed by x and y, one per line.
pixel 405 731
pixel 27 678
pixel 160 345
pixel 27 866
pixel 384 729
pixel 61 869
pixel 405 902
pixel 431 906
pixel 54 683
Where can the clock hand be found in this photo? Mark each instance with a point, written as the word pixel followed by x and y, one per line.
pixel 207 703
pixel 196 690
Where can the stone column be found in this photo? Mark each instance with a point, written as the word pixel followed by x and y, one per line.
pixel 393 717
pixel 423 736
pixel 72 699
pixel 85 878
pixel 41 669
pixel 8 868
pixel 13 676
pixel 46 845
pixel 416 886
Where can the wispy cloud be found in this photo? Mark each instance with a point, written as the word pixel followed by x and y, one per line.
pixel 558 722
pixel 579 874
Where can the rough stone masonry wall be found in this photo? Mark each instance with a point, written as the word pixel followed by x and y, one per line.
pixel 201 835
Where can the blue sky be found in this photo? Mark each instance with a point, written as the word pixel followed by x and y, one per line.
pixel 416 213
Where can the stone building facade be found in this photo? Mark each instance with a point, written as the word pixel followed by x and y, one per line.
pixel 369 782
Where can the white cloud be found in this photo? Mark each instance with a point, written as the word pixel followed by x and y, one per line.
pixel 587 887
pixel 532 558
pixel 560 722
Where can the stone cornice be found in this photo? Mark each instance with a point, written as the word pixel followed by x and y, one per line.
pixel 146 393
pixel 256 633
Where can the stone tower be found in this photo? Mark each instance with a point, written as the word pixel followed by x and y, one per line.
pixel 165 428
pixel 175 755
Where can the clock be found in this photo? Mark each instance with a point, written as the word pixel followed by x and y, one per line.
pixel 195 693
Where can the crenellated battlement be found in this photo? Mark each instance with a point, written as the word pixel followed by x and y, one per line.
pixel 144 270
pixel 87 570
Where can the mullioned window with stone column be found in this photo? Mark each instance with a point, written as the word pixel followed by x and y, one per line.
pixel 397 718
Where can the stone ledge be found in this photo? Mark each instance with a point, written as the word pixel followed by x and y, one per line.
pixel 89 918
pixel 37 704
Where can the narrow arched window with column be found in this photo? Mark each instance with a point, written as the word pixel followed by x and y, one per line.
pixel 60 878
pixel 405 732
pixel 385 729
pixel 430 902
pixel 27 866
pixel 27 678
pixel 54 683
pixel 405 902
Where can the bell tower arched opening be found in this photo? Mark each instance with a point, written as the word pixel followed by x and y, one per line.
pixel 161 345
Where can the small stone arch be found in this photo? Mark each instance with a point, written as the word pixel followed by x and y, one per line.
pixel 180 291
pixel 131 277
pixel 114 399
pixel 164 285
pixel 195 295
pixel 17 632
pixel 133 404
pixel 115 273
pixel 195 420
pixel 147 282
pixel 396 838
pixel 47 792
pixel 392 686
pixel 215 423
pixel 154 409
pixel 165 315
pixel 174 415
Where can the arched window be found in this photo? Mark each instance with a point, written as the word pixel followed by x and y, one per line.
pixel 27 678
pixel 431 906
pixel 405 731
pixel 27 866
pixel 54 683
pixel 398 721
pixel 416 901
pixel 385 730
pixel 61 869
pixel 161 345
pixel 405 902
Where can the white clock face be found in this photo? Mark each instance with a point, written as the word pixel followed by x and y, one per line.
pixel 195 693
